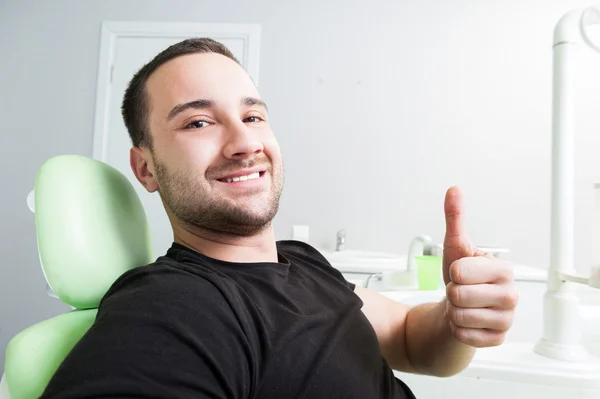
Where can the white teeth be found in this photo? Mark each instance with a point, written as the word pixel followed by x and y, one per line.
pixel 243 178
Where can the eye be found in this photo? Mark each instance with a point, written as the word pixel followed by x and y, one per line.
pixel 199 124
pixel 253 119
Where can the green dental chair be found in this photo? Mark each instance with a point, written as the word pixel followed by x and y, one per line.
pixel 90 228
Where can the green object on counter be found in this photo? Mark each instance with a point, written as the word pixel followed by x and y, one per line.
pixel 429 272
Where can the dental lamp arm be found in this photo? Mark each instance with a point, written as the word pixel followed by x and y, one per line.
pixel 593 280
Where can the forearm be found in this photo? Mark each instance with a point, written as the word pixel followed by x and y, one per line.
pixel 431 347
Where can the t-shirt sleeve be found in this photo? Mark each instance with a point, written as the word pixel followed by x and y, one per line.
pixel 163 334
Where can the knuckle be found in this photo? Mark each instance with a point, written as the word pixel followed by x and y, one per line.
pixel 503 269
pixel 503 321
pixel 453 293
pixel 508 272
pixel 455 271
pixel 510 299
pixel 457 315
pixel 462 334
pixel 509 320
pixel 497 339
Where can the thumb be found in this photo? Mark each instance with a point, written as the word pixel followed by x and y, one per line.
pixel 457 243
pixel 455 214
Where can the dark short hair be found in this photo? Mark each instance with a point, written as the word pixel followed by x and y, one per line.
pixel 135 107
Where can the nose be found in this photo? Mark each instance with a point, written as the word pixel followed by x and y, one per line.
pixel 241 142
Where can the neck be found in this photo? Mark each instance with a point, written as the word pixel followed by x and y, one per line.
pixel 260 247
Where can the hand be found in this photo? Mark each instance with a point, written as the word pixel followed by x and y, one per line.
pixel 480 292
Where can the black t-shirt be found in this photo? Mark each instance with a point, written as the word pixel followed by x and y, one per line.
pixel 189 326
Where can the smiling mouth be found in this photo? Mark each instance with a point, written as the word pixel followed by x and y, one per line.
pixel 251 176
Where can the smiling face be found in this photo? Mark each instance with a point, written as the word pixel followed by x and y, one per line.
pixel 214 158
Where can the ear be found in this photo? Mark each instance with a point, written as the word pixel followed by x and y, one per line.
pixel 142 166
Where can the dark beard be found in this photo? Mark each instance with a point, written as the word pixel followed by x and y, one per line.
pixel 198 209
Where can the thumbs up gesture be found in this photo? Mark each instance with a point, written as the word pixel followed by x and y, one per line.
pixel 480 292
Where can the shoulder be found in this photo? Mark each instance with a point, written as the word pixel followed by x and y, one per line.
pixel 164 286
pixel 163 330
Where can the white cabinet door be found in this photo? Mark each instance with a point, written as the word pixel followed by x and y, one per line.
pixel 125 48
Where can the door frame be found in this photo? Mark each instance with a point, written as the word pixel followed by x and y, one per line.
pixel 111 31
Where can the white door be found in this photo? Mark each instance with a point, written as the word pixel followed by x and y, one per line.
pixel 125 48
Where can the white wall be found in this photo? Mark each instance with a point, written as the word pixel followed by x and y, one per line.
pixel 379 107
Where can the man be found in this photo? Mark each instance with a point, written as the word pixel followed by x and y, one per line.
pixel 229 312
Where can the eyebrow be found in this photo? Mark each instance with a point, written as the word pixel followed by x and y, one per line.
pixel 202 104
pixel 196 104
pixel 254 101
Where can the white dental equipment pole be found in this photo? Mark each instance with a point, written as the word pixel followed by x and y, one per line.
pixel 561 337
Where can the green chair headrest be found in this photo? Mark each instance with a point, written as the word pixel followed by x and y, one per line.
pixel 91 228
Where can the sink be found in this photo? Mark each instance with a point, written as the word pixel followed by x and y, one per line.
pixel 381 271
pixel 365 262
pixel 356 254
pixel 415 297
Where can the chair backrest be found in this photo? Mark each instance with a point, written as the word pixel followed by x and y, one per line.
pixel 90 228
